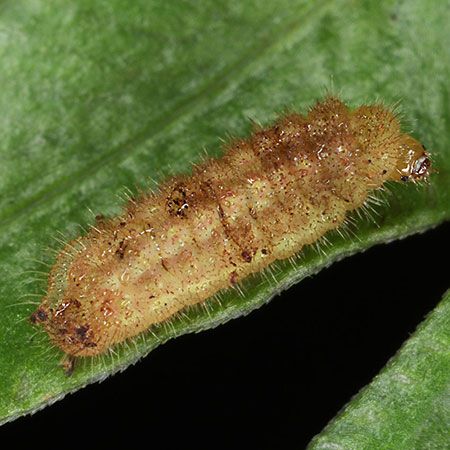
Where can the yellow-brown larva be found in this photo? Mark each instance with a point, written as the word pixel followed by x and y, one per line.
pixel 267 197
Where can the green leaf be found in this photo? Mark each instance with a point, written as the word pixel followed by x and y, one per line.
pixel 101 95
pixel 407 405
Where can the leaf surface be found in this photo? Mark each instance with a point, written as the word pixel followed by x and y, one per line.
pixel 102 96
pixel 406 406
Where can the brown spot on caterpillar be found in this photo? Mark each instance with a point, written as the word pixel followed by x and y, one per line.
pixel 266 198
pixel 177 201
pixel 82 332
pixel 247 257
pixel 121 250
pixel 38 316
pixel 164 264
pixel 233 278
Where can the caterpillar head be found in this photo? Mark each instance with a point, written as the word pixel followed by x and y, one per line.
pixel 414 163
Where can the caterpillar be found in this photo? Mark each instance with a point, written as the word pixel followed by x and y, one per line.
pixel 267 197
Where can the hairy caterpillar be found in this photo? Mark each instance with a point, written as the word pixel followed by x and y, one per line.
pixel 267 197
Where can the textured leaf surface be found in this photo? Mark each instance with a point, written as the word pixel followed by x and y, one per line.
pixel 407 406
pixel 101 95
